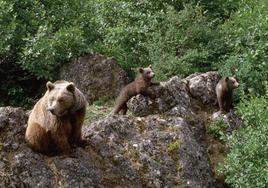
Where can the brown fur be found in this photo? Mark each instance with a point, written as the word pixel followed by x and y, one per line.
pixel 224 91
pixel 55 122
pixel 139 86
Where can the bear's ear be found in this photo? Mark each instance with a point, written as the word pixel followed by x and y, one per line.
pixel 226 79
pixel 235 77
pixel 140 70
pixel 150 66
pixel 70 87
pixel 50 86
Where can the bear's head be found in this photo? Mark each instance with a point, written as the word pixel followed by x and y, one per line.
pixel 147 73
pixel 232 82
pixel 61 97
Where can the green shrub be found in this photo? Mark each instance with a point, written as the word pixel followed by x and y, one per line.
pixel 36 37
pixel 173 149
pixel 187 42
pixel 217 129
pixel 179 37
pixel 246 37
pixel 246 164
pixel 42 35
pixel 45 52
pixel 7 28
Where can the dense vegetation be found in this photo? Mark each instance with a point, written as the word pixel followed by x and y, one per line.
pixel 178 37
pixel 246 164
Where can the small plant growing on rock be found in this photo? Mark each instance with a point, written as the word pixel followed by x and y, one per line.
pixel 99 109
pixel 216 129
pixel 173 150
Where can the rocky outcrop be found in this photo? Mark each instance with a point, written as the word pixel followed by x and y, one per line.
pixel 164 148
pixel 202 86
pixel 172 98
pixel 95 75
pixel 151 152
pixel 175 95
pixel 231 119
pixel 122 151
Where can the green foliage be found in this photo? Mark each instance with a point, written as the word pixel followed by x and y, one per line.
pixel 173 150
pixel 187 42
pixel 217 129
pixel 36 37
pixel 246 164
pixel 104 100
pixel 45 51
pixel 99 109
pixel 125 27
pixel 246 37
pixel 7 28
pixel 42 35
pixel 178 37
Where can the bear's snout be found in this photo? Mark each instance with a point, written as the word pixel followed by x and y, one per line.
pixel 237 84
pixel 52 110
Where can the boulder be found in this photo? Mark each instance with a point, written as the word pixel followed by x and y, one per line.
pixel 122 151
pixel 176 95
pixel 202 86
pixel 95 75
pixel 172 98
pixel 151 151
pixel 231 119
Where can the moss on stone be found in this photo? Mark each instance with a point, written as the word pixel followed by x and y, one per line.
pixel 173 150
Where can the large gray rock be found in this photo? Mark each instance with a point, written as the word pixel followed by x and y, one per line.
pixel 151 152
pixel 95 75
pixel 231 119
pixel 122 151
pixel 172 98
pixel 176 95
pixel 202 86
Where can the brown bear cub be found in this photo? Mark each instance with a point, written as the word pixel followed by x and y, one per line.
pixel 139 86
pixel 224 92
pixel 55 122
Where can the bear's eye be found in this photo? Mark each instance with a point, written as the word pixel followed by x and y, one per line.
pixel 52 99
pixel 148 72
pixel 60 100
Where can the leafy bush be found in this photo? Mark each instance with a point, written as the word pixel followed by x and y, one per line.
pixel 217 129
pixel 45 51
pixel 246 164
pixel 36 37
pixel 42 35
pixel 187 42
pixel 7 28
pixel 246 37
pixel 125 27
pixel 179 37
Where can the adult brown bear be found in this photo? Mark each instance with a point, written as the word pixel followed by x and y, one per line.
pixel 55 122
